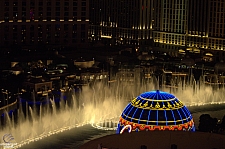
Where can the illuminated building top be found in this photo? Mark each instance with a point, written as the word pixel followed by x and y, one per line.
pixel 156 110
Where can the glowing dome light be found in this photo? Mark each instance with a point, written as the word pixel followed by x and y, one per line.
pixel 156 110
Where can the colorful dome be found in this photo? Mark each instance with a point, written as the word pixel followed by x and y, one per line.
pixel 156 110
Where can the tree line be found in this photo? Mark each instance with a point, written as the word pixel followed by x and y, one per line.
pixel 212 125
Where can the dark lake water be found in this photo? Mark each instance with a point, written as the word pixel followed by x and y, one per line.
pixel 70 139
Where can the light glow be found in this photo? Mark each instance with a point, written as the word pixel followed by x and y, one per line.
pixel 104 36
pixel 126 127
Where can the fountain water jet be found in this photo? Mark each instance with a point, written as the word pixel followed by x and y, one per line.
pixel 96 104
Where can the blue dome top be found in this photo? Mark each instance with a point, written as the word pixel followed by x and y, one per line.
pixel 156 95
pixel 156 108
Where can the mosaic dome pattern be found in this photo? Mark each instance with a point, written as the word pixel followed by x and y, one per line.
pixel 156 110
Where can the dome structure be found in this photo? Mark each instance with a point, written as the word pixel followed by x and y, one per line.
pixel 155 110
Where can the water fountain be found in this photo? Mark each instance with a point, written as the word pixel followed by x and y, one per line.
pixel 99 104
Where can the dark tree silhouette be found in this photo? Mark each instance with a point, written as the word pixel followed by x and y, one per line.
pixel 222 125
pixel 215 125
pixel 207 123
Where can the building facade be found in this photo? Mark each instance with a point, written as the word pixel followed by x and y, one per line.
pixel 170 25
pixel 173 25
pixel 206 26
pixel 44 22
pixel 121 22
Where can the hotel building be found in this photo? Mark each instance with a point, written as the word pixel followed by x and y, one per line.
pixel 170 27
pixel 116 22
pixel 197 26
pixel 206 26
pixel 44 22
pixel 173 25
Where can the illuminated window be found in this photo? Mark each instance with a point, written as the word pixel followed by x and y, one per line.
pixel 15 3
